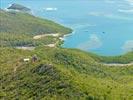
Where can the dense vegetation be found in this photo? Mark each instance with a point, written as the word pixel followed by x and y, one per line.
pixel 61 74
pixel 124 59
pixel 57 74
pixel 14 40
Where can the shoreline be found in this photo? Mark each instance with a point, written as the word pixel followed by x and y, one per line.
pixel 62 38
pixel 66 35
pixel 117 64
pixel 45 35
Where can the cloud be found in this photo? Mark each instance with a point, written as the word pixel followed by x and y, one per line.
pixel 93 43
pixel 130 2
pixel 109 1
pixel 50 9
pixel 96 13
pixel 109 15
pixel 77 26
pixel 103 14
pixel 128 46
pixel 126 11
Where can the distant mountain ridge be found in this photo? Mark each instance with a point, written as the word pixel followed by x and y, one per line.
pixel 19 7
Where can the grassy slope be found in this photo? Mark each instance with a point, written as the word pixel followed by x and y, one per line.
pixel 124 59
pixel 13 22
pixel 18 29
pixel 13 40
pixel 61 73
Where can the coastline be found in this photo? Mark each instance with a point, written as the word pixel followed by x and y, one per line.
pixel 62 38
pixel 117 64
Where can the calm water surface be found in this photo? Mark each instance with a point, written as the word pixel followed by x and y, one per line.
pixel 104 27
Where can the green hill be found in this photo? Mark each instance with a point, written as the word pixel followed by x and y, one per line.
pixel 57 74
pixel 61 74
pixel 23 23
pixel 124 59
pixel 18 29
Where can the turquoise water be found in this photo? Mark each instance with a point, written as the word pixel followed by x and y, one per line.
pixel 104 27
